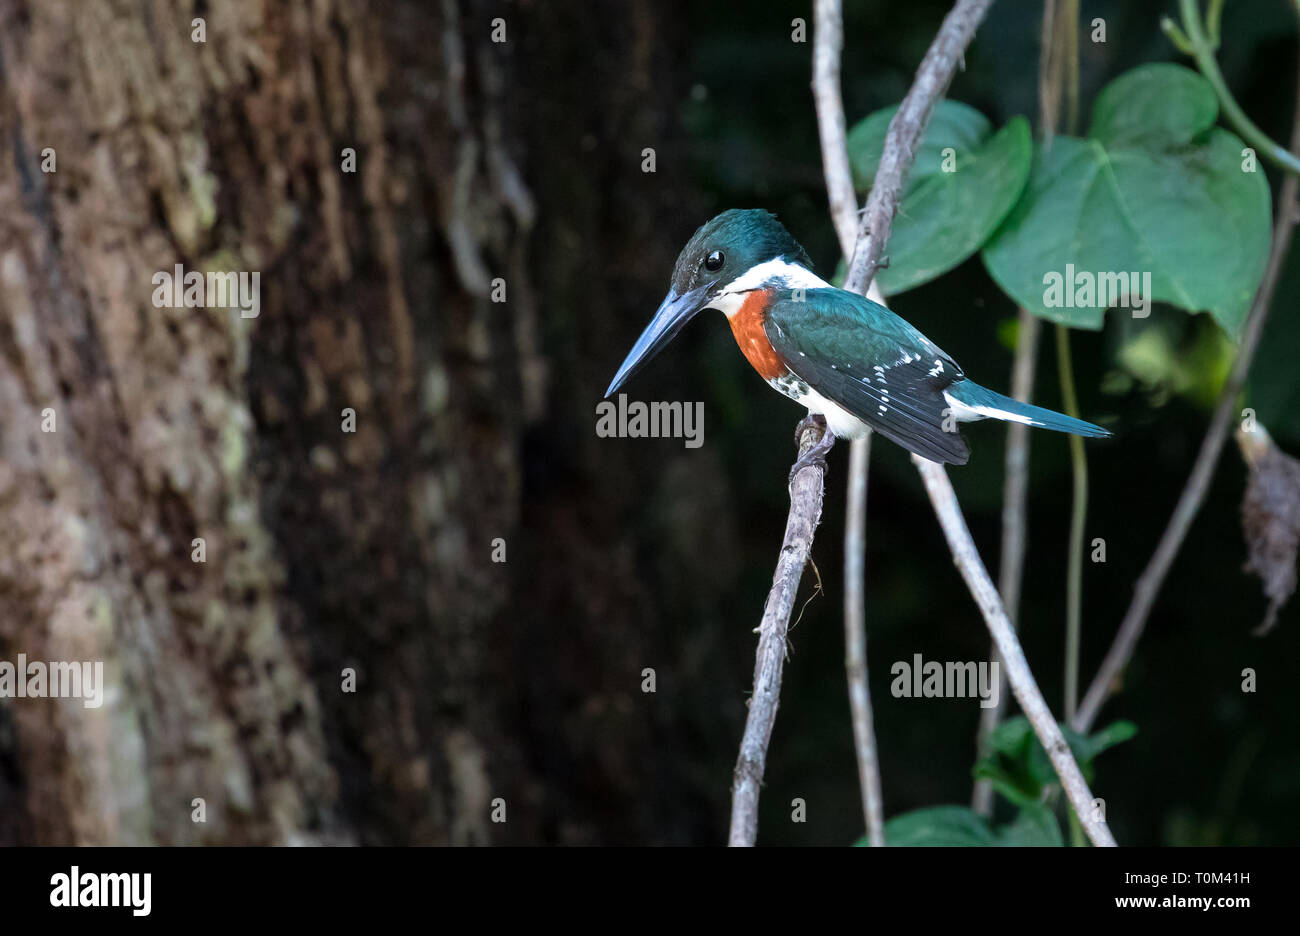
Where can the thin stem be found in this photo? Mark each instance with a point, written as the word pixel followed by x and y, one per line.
pixel 1202 48
pixel 1049 76
pixel 1015 486
pixel 828 43
pixel 805 513
pixel 1011 561
pixel 1198 482
pixel 1070 47
pixel 1068 44
pixel 1078 515
pixel 855 642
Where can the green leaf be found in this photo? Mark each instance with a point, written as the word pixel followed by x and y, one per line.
pixel 1113 734
pixel 961 826
pixel 1157 104
pixel 1035 826
pixel 1020 769
pixel 1017 764
pixel 953 124
pixel 1017 789
pixel 1154 191
pixel 1011 736
pixel 939 825
pixel 964 182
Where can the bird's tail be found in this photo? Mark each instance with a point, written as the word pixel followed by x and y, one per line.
pixel 975 402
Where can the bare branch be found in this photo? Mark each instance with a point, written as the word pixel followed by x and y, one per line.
pixel 905 132
pixel 855 643
pixel 805 514
pixel 1015 485
pixel 828 43
pixel 1011 562
pixel 1022 681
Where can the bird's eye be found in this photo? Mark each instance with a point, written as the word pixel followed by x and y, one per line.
pixel 714 261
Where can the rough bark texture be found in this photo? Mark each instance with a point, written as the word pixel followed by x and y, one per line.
pixel 327 549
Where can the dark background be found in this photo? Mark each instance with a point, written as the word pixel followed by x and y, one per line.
pixel 476 420
pixel 1209 765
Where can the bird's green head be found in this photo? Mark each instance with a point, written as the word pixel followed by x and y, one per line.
pixel 729 246
pixel 718 261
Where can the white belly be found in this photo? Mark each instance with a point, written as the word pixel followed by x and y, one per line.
pixel 840 421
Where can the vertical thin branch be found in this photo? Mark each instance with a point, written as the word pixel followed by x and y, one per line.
pixel 1066 49
pixel 1015 485
pixel 1198 482
pixel 905 133
pixel 855 642
pixel 1022 680
pixel 1078 516
pixel 1011 565
pixel 805 514
pixel 1011 561
pixel 1049 76
pixel 828 44
pixel 1069 26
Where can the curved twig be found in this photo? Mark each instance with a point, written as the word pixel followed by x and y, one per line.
pixel 1200 40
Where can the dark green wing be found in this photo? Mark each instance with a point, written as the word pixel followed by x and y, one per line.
pixel 862 356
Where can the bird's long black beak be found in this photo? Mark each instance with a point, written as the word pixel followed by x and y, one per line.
pixel 673 314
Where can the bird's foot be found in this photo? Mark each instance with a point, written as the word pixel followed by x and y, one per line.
pixel 812 419
pixel 816 455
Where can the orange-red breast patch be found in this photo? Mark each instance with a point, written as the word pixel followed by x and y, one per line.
pixel 747 326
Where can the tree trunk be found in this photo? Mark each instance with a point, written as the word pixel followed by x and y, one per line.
pixel 332 544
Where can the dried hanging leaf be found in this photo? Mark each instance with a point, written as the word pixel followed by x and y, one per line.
pixel 1270 518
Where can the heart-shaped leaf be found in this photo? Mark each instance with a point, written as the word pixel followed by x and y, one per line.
pixel 1154 202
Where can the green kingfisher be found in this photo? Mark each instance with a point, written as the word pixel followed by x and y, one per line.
pixel 847 359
